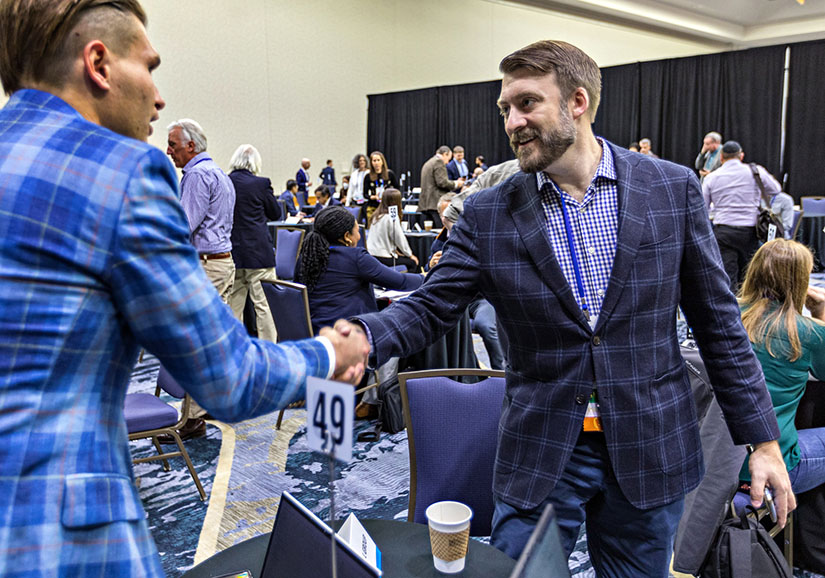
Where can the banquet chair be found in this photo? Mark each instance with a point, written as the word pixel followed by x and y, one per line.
pixel 813 206
pixel 797 221
pixel 452 427
pixel 289 307
pixel 286 252
pixel 356 212
pixel 362 241
pixel 148 416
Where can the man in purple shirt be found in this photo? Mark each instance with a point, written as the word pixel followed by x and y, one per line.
pixel 208 199
pixel 733 199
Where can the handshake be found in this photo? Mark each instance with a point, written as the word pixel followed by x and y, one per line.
pixel 351 350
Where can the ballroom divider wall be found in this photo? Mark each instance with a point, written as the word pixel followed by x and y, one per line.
pixel 674 102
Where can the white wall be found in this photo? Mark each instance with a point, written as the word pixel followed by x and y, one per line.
pixel 291 76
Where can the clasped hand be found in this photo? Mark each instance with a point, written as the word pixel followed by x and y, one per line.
pixel 351 350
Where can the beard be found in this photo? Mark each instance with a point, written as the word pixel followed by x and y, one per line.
pixel 549 146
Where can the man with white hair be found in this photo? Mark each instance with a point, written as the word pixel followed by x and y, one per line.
pixel 710 157
pixel 302 178
pixel 208 199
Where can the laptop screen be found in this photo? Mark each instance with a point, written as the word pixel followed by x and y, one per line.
pixel 300 547
pixel 544 555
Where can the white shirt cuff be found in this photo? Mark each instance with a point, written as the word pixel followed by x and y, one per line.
pixel 330 352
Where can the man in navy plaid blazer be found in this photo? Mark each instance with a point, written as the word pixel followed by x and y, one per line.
pixel 95 259
pixel 585 255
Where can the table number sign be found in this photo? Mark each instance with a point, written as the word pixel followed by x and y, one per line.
pixel 330 410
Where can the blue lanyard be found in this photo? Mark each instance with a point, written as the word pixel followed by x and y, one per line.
pixel 574 257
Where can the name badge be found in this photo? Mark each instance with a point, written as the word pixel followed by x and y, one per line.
pixel 592 417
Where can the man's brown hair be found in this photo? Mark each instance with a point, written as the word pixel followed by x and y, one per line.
pixel 40 38
pixel 573 68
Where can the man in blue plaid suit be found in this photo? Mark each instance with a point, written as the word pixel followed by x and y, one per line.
pixel 585 255
pixel 95 259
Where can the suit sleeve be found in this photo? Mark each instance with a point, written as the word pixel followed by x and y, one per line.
pixel 272 208
pixel 173 310
pixel 440 175
pixel 376 272
pixel 712 312
pixel 409 325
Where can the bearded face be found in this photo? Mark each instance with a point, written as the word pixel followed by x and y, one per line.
pixel 537 147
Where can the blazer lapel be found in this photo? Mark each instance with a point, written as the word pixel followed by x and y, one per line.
pixel 524 204
pixel 633 188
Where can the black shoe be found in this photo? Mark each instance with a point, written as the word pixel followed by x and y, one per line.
pixel 193 428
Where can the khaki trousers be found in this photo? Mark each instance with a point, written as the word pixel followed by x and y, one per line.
pixel 222 274
pixel 248 282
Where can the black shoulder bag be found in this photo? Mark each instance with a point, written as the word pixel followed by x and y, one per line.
pixel 766 218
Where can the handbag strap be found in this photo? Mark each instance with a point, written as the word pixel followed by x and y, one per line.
pixel 758 178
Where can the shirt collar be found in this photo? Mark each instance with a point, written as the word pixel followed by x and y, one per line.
pixel 204 156
pixel 605 170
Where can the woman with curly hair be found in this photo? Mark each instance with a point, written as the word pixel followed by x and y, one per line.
pixel 789 345
pixel 339 277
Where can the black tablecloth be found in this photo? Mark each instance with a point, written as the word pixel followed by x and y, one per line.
pixel 810 234
pixel 421 244
pixel 454 350
pixel 405 551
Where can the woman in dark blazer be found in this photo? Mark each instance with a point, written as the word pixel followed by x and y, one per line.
pixel 255 204
pixel 379 178
pixel 339 275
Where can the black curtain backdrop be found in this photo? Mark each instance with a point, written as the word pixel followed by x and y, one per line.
pixel 409 126
pixel 674 102
pixel 805 144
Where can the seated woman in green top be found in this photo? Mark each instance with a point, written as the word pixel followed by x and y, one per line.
pixel 789 345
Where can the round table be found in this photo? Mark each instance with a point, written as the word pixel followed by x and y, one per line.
pixel 405 552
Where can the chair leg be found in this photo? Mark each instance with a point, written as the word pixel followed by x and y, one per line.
pixel 156 443
pixel 189 465
pixel 788 539
pixel 280 418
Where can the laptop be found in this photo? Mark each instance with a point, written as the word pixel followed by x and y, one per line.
pixel 544 555
pixel 301 547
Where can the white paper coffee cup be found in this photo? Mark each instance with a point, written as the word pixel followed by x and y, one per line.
pixel 449 524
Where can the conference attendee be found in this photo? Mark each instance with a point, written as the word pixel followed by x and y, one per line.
pixel 303 180
pixel 782 207
pixel 360 169
pixel 375 183
pixel 492 176
pixel 339 274
pixel 434 183
pixel 480 162
pixel 480 310
pixel 255 204
pixel 292 199
pixel 325 199
pixel 644 148
pixel 207 195
pixel 710 157
pixel 789 346
pixel 733 199
pixel 458 167
pixel 103 267
pixel 327 176
pixel 386 241
pixel 643 246
pixel 633 147
pixel 342 194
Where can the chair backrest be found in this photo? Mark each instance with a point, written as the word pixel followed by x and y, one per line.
pixel 287 247
pixel 813 206
pixel 452 431
pixel 797 220
pixel 356 212
pixel 168 384
pixel 289 306
pixel 284 212
pixel 362 240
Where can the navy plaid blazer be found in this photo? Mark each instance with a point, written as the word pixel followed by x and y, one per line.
pixel 95 259
pixel 666 256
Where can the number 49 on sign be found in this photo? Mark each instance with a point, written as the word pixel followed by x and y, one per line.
pixel 330 407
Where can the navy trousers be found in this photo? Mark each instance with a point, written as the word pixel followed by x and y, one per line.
pixel 623 541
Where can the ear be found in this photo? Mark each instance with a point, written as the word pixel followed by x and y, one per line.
pixel 579 102
pixel 97 64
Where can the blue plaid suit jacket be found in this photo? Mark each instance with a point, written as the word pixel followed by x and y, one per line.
pixel 666 256
pixel 94 260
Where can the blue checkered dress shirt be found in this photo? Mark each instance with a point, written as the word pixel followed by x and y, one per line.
pixel 95 260
pixel 594 222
